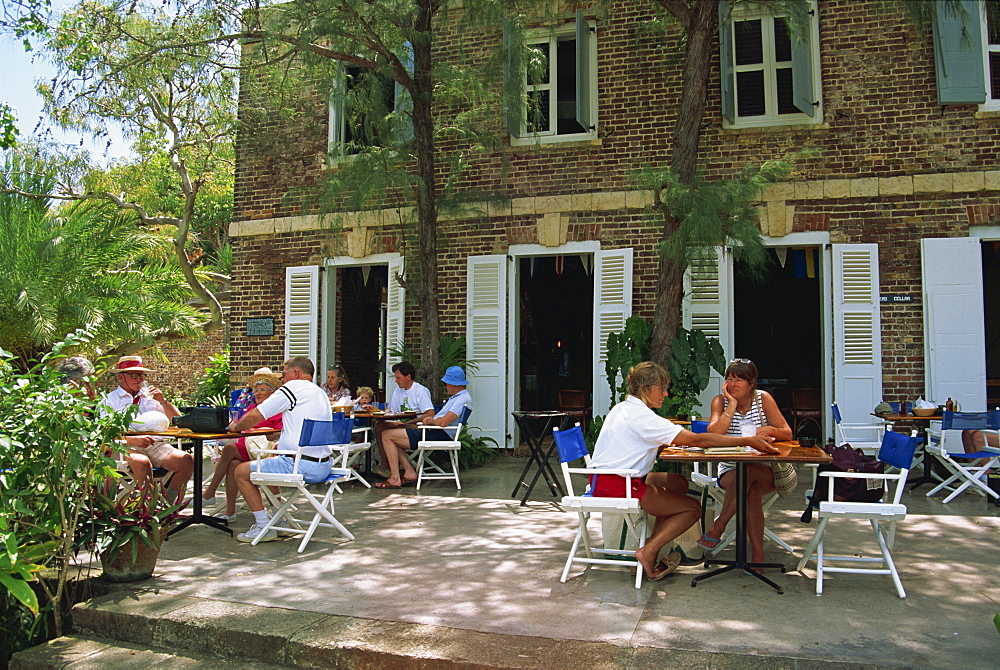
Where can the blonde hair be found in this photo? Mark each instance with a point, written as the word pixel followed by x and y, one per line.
pixel 366 390
pixel 645 375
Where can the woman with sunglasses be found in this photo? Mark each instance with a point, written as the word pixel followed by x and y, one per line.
pixel 743 409
pixel 630 438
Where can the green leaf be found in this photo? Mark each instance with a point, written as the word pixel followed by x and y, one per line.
pixel 21 590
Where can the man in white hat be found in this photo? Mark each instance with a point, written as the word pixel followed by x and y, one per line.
pixel 147 452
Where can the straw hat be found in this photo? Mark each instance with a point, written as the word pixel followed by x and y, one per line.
pixel 268 377
pixel 130 364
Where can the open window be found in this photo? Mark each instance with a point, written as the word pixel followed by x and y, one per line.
pixel 367 109
pixel 770 72
pixel 559 85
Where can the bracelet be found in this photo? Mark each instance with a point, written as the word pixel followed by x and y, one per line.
pixel 729 415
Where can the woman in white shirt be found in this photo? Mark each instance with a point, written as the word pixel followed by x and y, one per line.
pixel 630 438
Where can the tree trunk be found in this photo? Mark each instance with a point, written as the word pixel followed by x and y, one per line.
pixel 426 197
pixel 700 23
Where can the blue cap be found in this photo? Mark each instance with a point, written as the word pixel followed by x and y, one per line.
pixel 455 375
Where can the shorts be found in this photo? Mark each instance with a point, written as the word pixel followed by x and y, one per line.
pixel 155 453
pixel 311 471
pixel 434 434
pixel 613 486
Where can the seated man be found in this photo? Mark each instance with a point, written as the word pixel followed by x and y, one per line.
pixel 410 396
pixel 145 451
pixel 297 399
pixel 399 440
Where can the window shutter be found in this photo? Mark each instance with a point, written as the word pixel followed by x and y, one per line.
pixel 335 131
pixel 708 307
pixel 612 306
pixel 395 312
pixel 803 90
pixel 857 330
pixel 726 74
pixel 513 81
pixel 302 311
pixel 584 37
pixel 402 102
pixel 486 337
pixel 958 54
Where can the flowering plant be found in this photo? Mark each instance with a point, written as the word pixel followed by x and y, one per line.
pixel 142 514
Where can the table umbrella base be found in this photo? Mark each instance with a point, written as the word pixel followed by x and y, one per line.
pixel 748 568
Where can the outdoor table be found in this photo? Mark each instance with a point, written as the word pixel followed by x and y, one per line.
pixel 198 440
pixel 925 477
pixel 791 452
pixel 535 452
pixel 377 416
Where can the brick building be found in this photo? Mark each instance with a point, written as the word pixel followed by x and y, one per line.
pixel 900 203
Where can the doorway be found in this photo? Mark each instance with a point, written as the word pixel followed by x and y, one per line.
pixel 556 298
pixel 991 319
pixel 360 338
pixel 778 324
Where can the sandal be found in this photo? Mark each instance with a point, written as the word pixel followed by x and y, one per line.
pixel 666 565
pixel 705 541
pixel 387 485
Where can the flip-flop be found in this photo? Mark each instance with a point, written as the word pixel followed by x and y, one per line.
pixel 387 485
pixel 705 539
pixel 667 564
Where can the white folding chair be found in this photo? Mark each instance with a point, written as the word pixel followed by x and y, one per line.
pixel 897 450
pixel 965 475
pixel 350 454
pixel 572 447
pixel 709 481
pixel 334 434
pixel 428 469
pixel 864 436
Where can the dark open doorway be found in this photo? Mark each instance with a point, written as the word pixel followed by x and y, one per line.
pixel 991 317
pixel 360 323
pixel 556 328
pixel 778 326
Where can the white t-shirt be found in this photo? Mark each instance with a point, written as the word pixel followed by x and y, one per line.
pixel 298 400
pixel 631 436
pixel 120 399
pixel 456 404
pixel 418 399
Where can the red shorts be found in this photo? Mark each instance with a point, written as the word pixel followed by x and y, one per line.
pixel 613 486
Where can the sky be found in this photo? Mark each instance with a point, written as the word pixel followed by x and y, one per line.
pixel 18 72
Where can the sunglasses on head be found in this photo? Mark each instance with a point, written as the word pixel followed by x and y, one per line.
pixel 740 360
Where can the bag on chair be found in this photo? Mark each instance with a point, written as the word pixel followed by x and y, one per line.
pixel 847 459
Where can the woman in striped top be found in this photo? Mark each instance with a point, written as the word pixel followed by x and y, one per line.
pixel 743 409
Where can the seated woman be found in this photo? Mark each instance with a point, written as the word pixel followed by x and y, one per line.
pixel 399 440
pixel 236 452
pixel 337 384
pixel 743 409
pixel 631 436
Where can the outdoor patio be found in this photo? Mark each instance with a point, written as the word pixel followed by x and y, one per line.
pixel 477 561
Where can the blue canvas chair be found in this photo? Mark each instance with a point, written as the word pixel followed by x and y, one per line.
pixel 337 435
pixel 962 474
pixel 896 451
pixel 572 447
pixel 864 436
pixel 428 469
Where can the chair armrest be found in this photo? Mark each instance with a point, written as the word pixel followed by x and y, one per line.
pixel 860 475
pixel 626 472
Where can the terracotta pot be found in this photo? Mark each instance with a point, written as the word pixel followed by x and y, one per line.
pixel 123 569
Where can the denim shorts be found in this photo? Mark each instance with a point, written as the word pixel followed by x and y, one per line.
pixel 312 472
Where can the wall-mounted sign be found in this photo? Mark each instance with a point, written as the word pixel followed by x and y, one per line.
pixel 892 297
pixel 261 327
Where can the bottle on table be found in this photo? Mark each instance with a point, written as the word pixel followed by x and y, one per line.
pixel 950 405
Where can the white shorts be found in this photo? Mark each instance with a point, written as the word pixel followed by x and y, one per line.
pixel 155 453
pixel 311 471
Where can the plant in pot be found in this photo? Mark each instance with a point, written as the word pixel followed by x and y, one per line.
pixel 126 532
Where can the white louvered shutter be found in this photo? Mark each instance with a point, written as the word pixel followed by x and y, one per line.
pixel 612 306
pixel 857 339
pixel 302 311
pixel 708 307
pixel 395 317
pixel 954 329
pixel 486 341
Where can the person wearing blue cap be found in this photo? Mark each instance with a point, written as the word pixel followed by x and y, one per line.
pixel 399 440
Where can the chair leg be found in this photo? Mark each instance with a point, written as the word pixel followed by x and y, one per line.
pixel 887 558
pixel 454 467
pixel 811 547
pixel 580 530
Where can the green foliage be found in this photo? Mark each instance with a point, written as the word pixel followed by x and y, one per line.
pixel 213 385
pixel 8 127
pixel 694 357
pixel 996 621
pixel 53 446
pixel 593 431
pixel 626 350
pixel 143 515
pixel 452 352
pixel 85 266
pixel 476 449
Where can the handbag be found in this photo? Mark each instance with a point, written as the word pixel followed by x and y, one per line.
pixel 785 478
pixel 847 459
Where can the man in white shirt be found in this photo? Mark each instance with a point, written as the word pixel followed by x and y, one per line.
pixel 409 396
pixel 145 451
pixel 297 399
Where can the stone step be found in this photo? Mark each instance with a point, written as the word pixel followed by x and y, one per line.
pixel 75 651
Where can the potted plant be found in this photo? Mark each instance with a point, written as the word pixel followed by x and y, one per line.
pixel 126 532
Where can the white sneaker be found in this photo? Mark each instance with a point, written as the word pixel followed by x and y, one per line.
pixel 210 502
pixel 254 531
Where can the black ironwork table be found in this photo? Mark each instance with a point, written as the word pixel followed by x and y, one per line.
pixel 536 454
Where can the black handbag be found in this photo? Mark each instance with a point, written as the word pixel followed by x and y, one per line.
pixel 846 459
pixel 203 419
